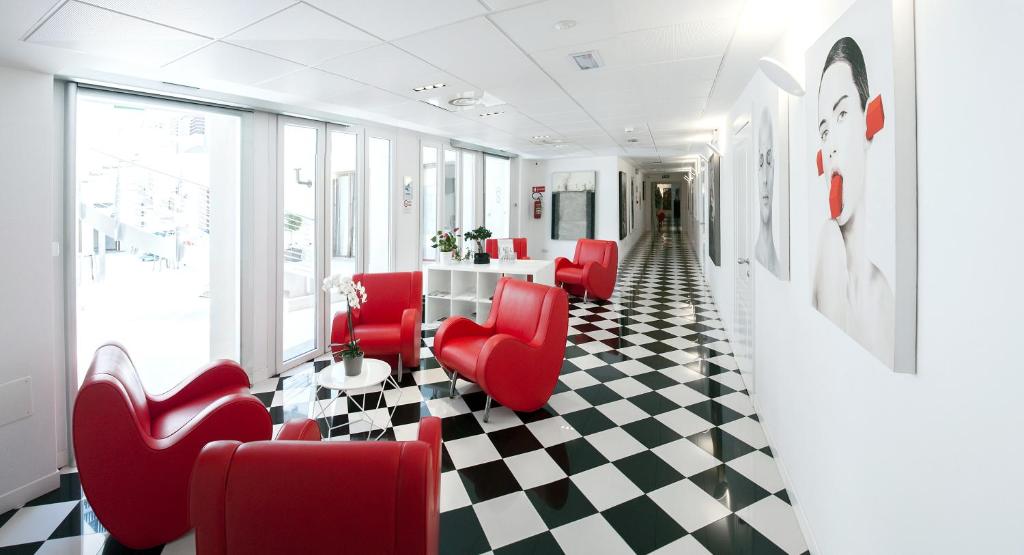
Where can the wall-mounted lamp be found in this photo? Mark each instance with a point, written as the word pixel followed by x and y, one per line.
pixel 782 77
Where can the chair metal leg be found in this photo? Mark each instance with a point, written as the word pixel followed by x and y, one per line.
pixel 451 391
pixel 487 408
pixel 584 295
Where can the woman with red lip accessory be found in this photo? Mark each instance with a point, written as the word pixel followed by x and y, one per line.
pixel 849 288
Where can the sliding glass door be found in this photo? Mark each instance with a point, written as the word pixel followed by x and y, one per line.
pixel 343 207
pixel 156 233
pixel 497 194
pixel 301 145
pixel 334 199
pixel 468 184
pixel 380 151
pixel 428 200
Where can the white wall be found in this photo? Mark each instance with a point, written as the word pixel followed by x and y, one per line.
pixel 606 211
pixel 878 462
pixel 28 325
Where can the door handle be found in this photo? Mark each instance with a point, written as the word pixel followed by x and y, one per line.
pixel 743 261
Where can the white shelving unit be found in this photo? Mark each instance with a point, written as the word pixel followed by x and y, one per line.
pixel 467 289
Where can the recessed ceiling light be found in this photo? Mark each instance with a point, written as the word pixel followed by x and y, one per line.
pixel 422 88
pixel 633 140
pixel 486 114
pixel 586 60
pixel 539 137
pixel 565 24
pixel 630 129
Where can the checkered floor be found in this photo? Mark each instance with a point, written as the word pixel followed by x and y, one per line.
pixel 650 442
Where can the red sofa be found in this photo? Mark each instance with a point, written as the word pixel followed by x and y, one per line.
pixel 388 325
pixel 312 497
pixel 518 245
pixel 135 451
pixel 592 270
pixel 516 355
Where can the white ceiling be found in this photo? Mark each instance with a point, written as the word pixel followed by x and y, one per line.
pixel 667 64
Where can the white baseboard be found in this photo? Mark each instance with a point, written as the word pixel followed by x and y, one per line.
pixel 18 497
pixel 798 508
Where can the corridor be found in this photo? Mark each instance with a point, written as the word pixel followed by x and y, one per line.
pixel 649 443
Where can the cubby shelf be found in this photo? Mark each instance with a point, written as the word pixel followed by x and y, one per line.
pixel 466 289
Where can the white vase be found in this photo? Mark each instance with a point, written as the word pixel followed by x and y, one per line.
pixel 444 257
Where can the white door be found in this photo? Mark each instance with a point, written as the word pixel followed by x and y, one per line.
pixel 743 348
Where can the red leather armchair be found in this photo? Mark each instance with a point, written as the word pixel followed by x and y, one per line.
pixel 516 355
pixel 312 497
pixel 388 325
pixel 135 451
pixel 518 245
pixel 592 270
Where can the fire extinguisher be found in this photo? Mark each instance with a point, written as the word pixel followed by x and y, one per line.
pixel 538 194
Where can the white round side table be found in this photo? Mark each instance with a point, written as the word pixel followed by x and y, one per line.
pixel 375 373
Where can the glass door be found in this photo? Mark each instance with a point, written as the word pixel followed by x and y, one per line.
pixel 344 206
pixel 301 147
pixel 468 196
pixel 449 214
pixel 428 200
pixel 497 194
pixel 380 151
pixel 156 233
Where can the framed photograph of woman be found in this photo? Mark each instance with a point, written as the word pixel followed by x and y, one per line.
pixel 862 199
pixel 771 170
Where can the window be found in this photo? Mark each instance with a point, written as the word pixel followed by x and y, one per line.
pixel 468 190
pixel 497 192
pixel 343 208
pixel 449 209
pixel 378 209
pixel 157 233
pixel 428 201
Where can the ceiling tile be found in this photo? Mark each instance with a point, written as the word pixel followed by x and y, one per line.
pixel 475 51
pixel 226 62
pixel 391 19
pixel 313 84
pixel 84 28
pixel 506 4
pixel 390 68
pixel 303 34
pixel 532 26
pixel 206 17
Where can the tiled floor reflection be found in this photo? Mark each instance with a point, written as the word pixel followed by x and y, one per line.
pixel 649 444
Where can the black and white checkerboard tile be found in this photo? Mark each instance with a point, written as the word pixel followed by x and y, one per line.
pixel 649 443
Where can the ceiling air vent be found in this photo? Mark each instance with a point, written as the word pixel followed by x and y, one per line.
pixel 586 60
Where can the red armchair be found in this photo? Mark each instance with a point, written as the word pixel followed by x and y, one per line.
pixel 311 497
pixel 518 245
pixel 135 451
pixel 516 355
pixel 592 270
pixel 388 325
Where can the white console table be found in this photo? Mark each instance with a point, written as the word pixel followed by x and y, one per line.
pixel 466 289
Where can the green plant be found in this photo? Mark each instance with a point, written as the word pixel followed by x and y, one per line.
pixel 445 241
pixel 479 235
